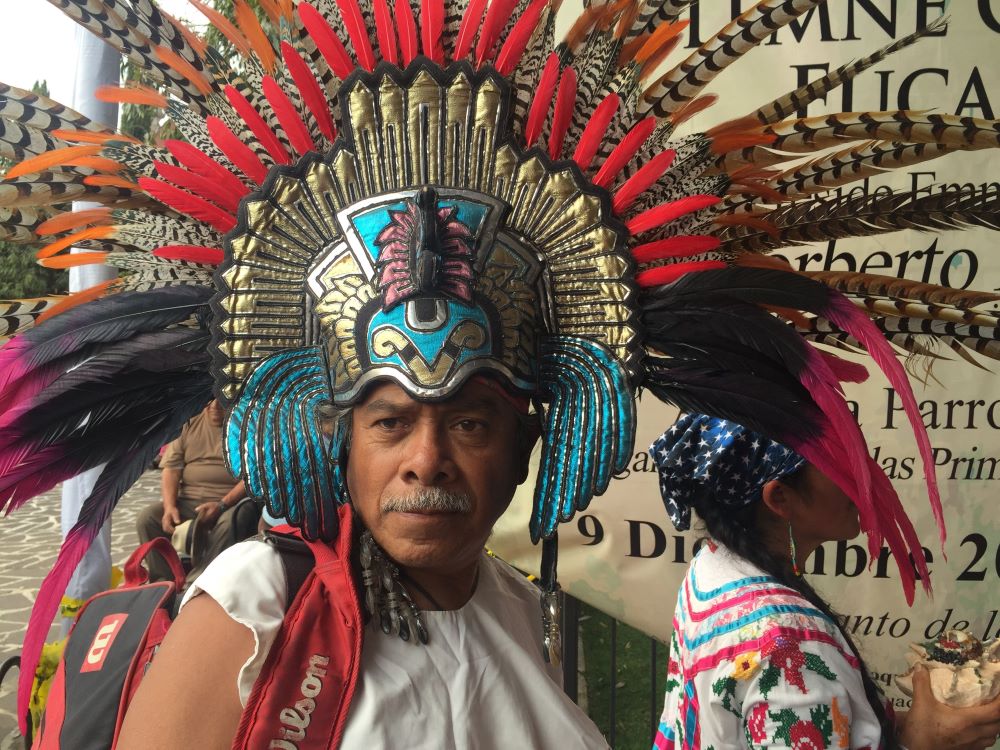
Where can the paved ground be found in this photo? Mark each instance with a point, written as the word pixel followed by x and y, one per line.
pixel 29 541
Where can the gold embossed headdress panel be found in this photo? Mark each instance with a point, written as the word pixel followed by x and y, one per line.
pixel 425 246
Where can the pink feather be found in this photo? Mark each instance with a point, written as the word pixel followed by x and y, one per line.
pixel 497 15
pixel 845 370
pixel 681 246
pixel 385 29
pixel 667 212
pixel 43 612
pixel 209 256
pixel 595 130
pixel 641 181
pixel 842 313
pixel 191 205
pixel 257 125
pixel 520 35
pixel 407 31
pixel 431 24
pixel 354 22
pixel 202 164
pixel 542 101
pixel 468 28
pixel 624 151
pixel 241 155
pixel 309 89
pixel 670 273
pixel 326 41
pixel 565 101
pixel 200 186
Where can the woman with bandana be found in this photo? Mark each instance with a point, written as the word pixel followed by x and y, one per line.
pixel 757 658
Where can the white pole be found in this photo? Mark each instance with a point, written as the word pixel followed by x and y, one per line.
pixel 97 64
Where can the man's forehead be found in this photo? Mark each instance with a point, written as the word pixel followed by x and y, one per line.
pixel 472 395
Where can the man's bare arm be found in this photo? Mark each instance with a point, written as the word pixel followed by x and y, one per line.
pixel 189 697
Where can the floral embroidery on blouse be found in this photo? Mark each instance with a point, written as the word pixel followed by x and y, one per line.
pixel 752 659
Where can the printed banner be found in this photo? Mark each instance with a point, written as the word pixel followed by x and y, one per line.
pixel 623 556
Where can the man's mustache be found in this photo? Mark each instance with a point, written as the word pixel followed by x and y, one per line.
pixel 432 499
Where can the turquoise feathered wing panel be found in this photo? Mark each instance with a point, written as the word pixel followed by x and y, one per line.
pixel 589 428
pixel 274 441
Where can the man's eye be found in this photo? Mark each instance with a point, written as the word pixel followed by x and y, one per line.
pixel 470 425
pixel 389 423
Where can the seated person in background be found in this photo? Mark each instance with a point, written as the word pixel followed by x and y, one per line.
pixel 195 483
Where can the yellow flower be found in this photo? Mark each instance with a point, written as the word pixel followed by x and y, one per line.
pixel 745 665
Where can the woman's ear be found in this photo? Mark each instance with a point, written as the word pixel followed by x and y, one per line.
pixel 779 498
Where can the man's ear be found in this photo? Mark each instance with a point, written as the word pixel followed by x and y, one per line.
pixel 777 497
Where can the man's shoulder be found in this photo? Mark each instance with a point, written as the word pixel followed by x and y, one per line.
pixel 511 579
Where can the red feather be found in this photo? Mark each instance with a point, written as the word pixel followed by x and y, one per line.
pixel 407 31
pixel 385 28
pixel 431 24
pixel 668 274
pixel 209 256
pixel 200 186
pixel 191 205
pixel 667 212
pixel 642 180
pixel 468 28
pixel 682 246
pixel 520 35
pixel 236 150
pixel 595 130
pixel 288 116
pixel 542 100
pixel 312 94
pixel 565 100
pixel 257 126
pixel 497 15
pixel 202 164
pixel 326 41
pixel 624 151
pixel 354 22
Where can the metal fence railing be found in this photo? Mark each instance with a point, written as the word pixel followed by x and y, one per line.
pixel 617 657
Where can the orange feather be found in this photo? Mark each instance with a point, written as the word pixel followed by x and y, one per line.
pixel 75 300
pixel 97 163
pixel 93 233
pixel 693 107
pixel 728 142
pixel 109 180
pixel 89 136
pixel 658 38
pixel 254 33
pixel 225 26
pixel 71 260
pixel 71 220
pixel 55 158
pixel 185 69
pixel 141 95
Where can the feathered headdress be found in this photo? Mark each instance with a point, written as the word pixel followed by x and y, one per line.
pixel 432 189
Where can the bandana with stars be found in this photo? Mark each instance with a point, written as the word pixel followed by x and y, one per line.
pixel 702 454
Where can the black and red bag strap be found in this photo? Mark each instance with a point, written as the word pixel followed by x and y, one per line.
pixel 137 575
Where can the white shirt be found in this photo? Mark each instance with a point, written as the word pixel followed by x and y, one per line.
pixel 480 683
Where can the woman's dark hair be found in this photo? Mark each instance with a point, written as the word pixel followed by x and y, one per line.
pixel 737 529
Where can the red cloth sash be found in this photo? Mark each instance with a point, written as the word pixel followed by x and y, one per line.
pixel 301 699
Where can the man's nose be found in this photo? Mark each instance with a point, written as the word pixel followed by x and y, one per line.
pixel 428 460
